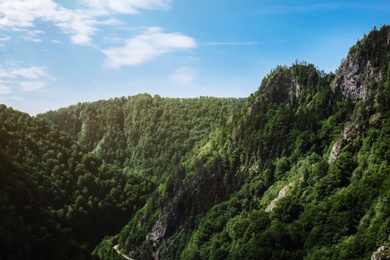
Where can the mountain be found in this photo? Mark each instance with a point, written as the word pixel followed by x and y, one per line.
pixel 298 170
pixel 60 197
pixel 54 193
pixel 145 134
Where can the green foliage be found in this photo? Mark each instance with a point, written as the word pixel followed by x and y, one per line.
pixel 296 171
pixel 60 200
pixel 284 134
pixel 149 134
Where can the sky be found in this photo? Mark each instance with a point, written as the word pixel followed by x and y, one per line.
pixel 55 53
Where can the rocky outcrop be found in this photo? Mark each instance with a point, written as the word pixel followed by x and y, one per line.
pixel 383 253
pixel 296 88
pixel 350 81
pixel 362 67
pixel 282 193
pixel 156 234
pixel 351 130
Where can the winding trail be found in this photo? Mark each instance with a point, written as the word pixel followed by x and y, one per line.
pixel 123 255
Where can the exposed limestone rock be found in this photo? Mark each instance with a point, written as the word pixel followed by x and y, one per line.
pixel 158 230
pixel 156 234
pixel 335 152
pixel 353 77
pixel 350 131
pixel 383 253
pixel 282 194
pixel 349 81
pixel 295 89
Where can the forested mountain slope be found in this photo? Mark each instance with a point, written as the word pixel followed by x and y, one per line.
pixel 298 170
pixel 148 135
pixel 57 199
pixel 143 135
pixel 301 171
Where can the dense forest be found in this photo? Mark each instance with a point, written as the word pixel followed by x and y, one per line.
pixel 60 197
pixel 149 135
pixel 298 170
pixel 54 193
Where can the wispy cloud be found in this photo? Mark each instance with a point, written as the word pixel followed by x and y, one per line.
pixel 19 13
pixel 183 75
pixel 123 6
pixel 147 46
pixel 5 38
pixel 28 78
pixel 80 23
pixel 33 35
pixel 4 89
pixel 27 72
pixel 29 86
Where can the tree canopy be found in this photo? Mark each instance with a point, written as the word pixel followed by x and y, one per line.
pixel 298 170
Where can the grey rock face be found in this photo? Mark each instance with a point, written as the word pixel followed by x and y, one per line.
pixel 383 253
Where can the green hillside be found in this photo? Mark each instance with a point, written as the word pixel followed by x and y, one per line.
pixel 298 170
pixel 60 198
pixel 148 135
pixel 57 199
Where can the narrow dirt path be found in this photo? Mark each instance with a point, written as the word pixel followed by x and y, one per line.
pixel 124 255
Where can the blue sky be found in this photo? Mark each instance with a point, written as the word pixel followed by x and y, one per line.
pixel 56 53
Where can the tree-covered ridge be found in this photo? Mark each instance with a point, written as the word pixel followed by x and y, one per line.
pixel 232 159
pixel 57 199
pixel 147 134
pixel 298 170
pixel 301 171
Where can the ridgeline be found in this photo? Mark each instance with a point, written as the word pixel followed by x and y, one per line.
pixel 298 170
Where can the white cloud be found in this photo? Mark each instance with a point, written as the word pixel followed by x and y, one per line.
pixel 81 26
pixel 147 46
pixel 28 86
pixel 28 78
pixel 33 35
pixel 29 72
pixel 5 38
pixel 80 23
pixel 5 89
pixel 183 75
pixel 19 13
pixel 128 7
